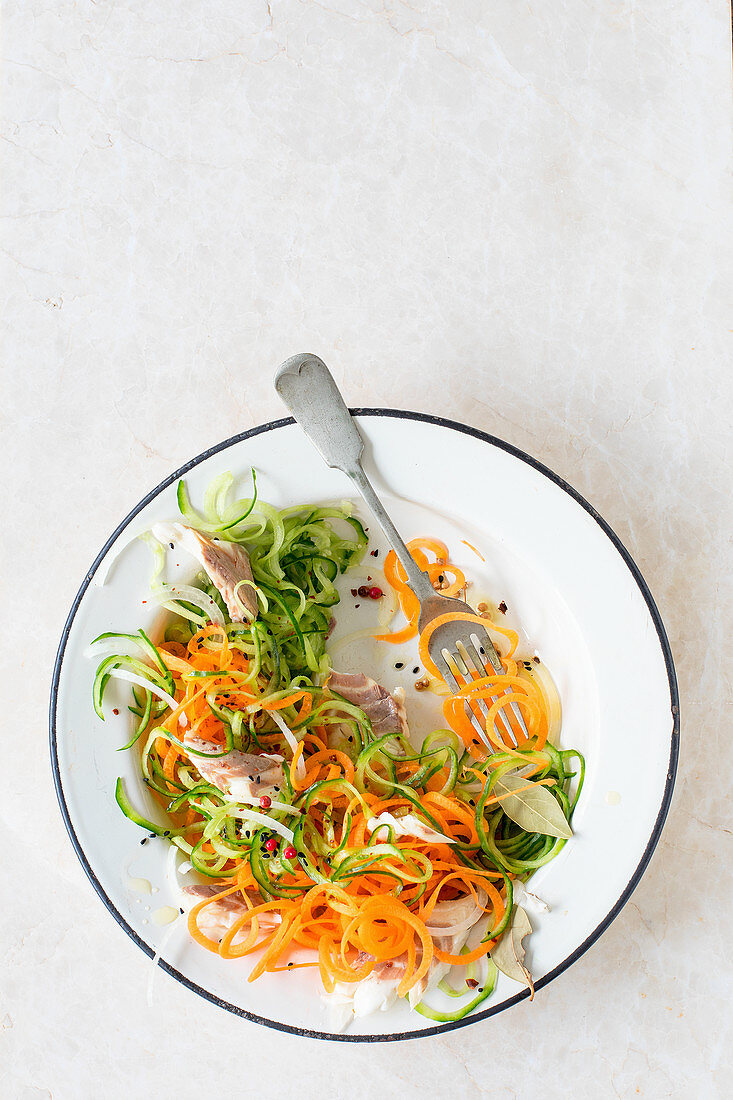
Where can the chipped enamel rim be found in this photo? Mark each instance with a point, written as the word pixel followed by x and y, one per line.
pixel 658 824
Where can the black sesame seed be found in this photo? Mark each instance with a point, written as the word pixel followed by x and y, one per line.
pixel 416 669
pixel 144 840
pixel 400 664
pixel 171 546
pixel 180 911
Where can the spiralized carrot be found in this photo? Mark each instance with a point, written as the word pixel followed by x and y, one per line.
pixel 397 578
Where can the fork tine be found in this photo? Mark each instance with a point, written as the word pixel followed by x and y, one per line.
pixel 501 719
pixel 447 671
pixel 452 681
pixel 487 647
pixel 513 715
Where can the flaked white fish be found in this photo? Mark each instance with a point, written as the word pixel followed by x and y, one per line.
pixel 408 825
pixel 385 712
pixel 242 776
pixel 216 918
pixel 227 565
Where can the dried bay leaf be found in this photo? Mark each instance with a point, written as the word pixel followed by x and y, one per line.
pixel 533 808
pixel 508 955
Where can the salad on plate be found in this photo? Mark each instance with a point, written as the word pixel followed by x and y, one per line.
pixel 312 824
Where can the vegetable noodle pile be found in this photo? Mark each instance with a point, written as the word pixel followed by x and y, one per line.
pixel 319 838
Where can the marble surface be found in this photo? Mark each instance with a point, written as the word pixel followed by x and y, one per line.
pixel 515 214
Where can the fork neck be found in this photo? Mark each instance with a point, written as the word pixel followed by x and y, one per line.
pixel 419 582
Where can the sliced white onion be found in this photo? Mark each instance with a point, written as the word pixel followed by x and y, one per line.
pixel 100 577
pixel 186 592
pixel 291 739
pixel 478 932
pixel 109 647
pixel 458 928
pixel 263 819
pixel 133 678
pixel 454 918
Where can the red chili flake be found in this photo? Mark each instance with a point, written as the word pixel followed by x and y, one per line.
pixel 503 608
pixel 373 553
pixel 271 844
pixel 353 591
pixel 265 801
pixel 290 852
pixel 115 711
pixel 471 983
pixel 375 593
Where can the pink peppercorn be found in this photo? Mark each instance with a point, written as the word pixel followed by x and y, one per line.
pixel 271 844
pixel 290 852
pixel 265 802
pixel 375 593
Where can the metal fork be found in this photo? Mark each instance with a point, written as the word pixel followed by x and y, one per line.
pixel 459 649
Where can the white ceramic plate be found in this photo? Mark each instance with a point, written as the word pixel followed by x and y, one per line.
pixel 570 586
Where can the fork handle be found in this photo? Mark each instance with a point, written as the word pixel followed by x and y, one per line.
pixel 307 388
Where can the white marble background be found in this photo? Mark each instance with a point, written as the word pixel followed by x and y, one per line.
pixel 515 214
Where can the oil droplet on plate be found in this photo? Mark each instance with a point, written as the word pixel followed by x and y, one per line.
pixel 165 915
pixel 139 885
pixel 613 798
